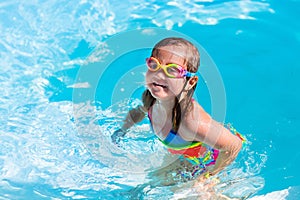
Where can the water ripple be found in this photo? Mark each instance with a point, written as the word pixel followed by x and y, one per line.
pixel 63 150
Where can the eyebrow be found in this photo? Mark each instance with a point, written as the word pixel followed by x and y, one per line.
pixel 175 64
pixel 168 62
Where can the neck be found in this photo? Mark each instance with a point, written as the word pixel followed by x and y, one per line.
pixel 166 104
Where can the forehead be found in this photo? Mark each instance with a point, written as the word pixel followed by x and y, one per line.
pixel 171 54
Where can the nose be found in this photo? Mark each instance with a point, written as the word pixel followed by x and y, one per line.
pixel 160 73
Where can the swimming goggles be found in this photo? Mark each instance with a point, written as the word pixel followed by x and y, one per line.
pixel 171 70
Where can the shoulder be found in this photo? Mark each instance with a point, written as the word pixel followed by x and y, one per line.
pixel 197 119
pixel 198 113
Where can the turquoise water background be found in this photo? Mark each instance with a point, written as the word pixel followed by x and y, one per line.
pixel 55 134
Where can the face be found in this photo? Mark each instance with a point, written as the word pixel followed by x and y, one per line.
pixel 159 84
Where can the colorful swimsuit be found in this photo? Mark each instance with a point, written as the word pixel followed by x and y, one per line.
pixel 197 153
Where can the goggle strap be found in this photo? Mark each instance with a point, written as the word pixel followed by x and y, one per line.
pixel 189 74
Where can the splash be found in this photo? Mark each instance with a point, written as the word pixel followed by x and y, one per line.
pixel 54 147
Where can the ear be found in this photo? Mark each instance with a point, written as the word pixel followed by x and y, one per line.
pixel 192 82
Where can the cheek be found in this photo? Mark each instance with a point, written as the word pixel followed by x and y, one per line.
pixel 148 76
pixel 176 86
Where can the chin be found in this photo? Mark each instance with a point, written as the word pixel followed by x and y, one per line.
pixel 161 96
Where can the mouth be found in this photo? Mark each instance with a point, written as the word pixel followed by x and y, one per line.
pixel 159 85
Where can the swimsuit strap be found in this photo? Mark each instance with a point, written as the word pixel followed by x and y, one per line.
pixel 150 114
pixel 174 140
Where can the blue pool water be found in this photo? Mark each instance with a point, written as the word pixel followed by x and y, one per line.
pixel 71 69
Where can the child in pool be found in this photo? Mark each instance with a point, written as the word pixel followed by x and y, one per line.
pixel 176 118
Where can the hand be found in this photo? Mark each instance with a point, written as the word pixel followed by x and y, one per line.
pixel 115 137
pixel 206 183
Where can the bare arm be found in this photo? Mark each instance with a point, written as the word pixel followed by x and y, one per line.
pixel 217 136
pixel 227 143
pixel 134 116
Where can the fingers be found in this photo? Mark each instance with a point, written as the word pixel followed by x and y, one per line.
pixel 117 135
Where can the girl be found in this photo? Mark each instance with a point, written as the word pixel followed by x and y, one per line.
pixel 176 118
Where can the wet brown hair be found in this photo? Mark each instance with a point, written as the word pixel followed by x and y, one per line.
pixel 192 60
